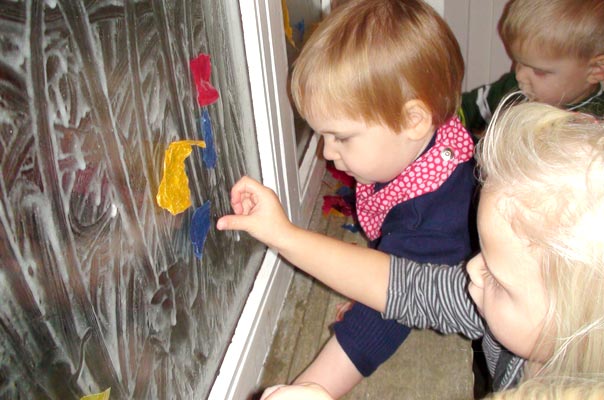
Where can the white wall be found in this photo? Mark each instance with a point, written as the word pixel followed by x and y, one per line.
pixel 474 23
pixel 439 5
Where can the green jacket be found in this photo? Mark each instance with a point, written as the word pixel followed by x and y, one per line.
pixel 478 105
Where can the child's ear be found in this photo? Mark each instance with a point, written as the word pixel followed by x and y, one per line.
pixel 418 120
pixel 596 70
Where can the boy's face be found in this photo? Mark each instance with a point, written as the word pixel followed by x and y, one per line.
pixel 506 282
pixel 368 152
pixel 555 81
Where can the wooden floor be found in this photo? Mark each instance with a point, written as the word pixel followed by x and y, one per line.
pixel 427 366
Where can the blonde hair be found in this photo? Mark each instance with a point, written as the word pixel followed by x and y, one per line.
pixel 550 165
pixel 558 28
pixel 369 57
pixel 555 389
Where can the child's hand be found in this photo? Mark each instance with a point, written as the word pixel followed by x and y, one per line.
pixel 257 210
pixel 303 391
pixel 341 309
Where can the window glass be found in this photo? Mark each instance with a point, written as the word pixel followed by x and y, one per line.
pixel 100 287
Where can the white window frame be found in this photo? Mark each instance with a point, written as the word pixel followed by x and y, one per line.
pixel 296 185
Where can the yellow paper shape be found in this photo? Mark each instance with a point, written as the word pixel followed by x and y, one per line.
pixel 335 213
pixel 289 34
pixel 98 396
pixel 173 193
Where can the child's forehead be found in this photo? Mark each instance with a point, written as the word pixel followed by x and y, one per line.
pixel 530 50
pixel 326 114
pixel 542 53
pixel 496 207
pixel 500 234
pixel 337 123
pixel 322 114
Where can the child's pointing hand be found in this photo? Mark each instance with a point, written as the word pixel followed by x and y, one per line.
pixel 257 210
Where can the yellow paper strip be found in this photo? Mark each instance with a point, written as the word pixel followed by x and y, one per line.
pixel 98 396
pixel 173 193
pixel 289 34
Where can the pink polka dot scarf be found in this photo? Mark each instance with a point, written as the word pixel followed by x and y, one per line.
pixel 453 145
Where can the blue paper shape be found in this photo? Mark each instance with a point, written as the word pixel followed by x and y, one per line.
pixel 351 227
pixel 345 191
pixel 209 152
pixel 300 28
pixel 200 225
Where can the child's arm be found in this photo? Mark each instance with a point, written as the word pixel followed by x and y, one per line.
pixel 303 391
pixel 356 272
pixel 432 296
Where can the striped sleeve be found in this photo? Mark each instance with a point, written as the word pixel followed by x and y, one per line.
pixel 432 296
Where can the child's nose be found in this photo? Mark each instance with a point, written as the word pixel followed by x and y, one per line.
pixel 329 152
pixel 521 72
pixel 475 267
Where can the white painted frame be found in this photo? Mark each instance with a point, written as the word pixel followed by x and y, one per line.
pixel 296 185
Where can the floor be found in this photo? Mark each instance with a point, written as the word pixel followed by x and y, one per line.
pixel 427 366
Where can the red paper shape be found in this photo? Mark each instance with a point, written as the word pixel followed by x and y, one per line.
pixel 342 177
pixel 335 205
pixel 201 69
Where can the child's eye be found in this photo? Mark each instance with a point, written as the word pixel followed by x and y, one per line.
pixel 340 140
pixel 539 72
pixel 489 279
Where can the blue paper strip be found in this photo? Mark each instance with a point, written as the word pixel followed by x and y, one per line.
pixel 351 227
pixel 200 225
pixel 300 28
pixel 345 191
pixel 209 152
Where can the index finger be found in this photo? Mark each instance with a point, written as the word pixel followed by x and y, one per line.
pixel 243 186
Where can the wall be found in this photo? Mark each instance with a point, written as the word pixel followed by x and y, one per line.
pixel 100 287
pixel 474 23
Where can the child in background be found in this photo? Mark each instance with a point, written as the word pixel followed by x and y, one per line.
pixel 380 81
pixel 534 293
pixel 557 49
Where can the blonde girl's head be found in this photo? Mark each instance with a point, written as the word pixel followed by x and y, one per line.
pixel 555 389
pixel 369 57
pixel 550 164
